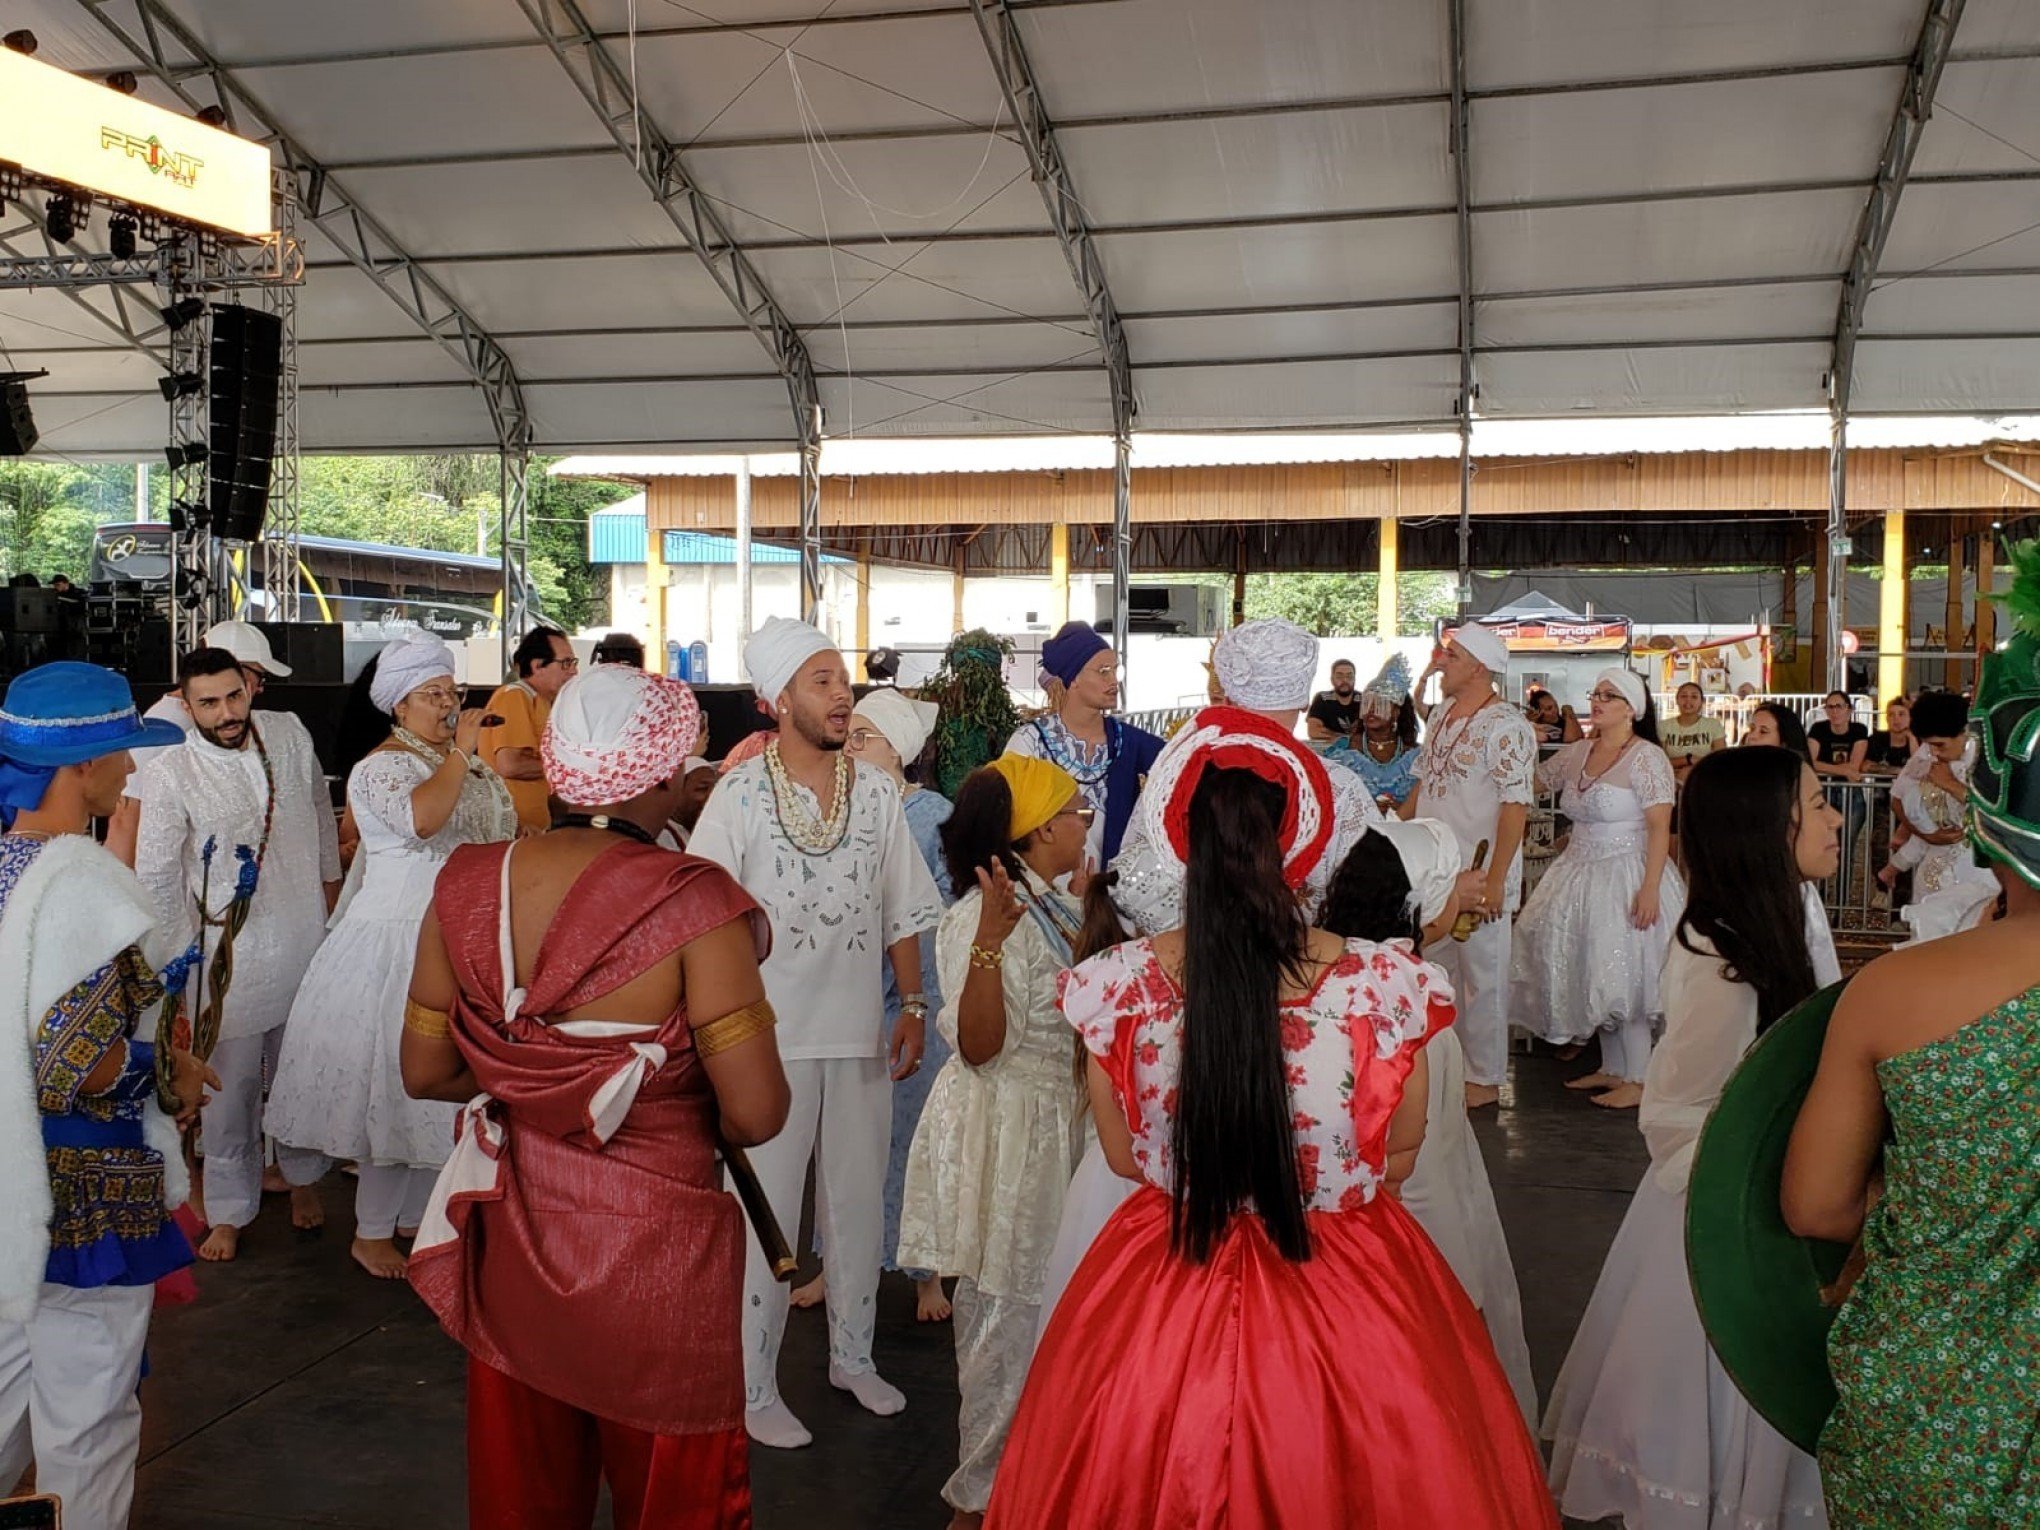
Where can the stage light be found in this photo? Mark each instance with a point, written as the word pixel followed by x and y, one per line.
pixel 181 385
pixel 120 236
pixel 123 81
pixel 61 218
pixel 191 454
pixel 211 116
pixel 185 516
pixel 21 41
pixel 183 312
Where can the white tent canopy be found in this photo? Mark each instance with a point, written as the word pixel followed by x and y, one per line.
pixel 1661 203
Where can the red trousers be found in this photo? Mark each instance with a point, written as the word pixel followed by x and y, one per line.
pixel 535 1463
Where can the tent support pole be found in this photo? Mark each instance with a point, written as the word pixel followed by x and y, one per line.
pixel 1469 389
pixel 1122 546
pixel 1835 603
pixel 743 550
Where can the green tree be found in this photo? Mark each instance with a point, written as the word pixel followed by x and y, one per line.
pixel 1345 605
pixel 48 511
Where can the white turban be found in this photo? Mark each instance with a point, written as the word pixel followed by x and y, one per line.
pixel 1628 684
pixel 1429 852
pixel 776 652
pixel 1483 644
pixel 906 723
pixel 1266 666
pixel 615 733
pixel 412 660
pixel 694 762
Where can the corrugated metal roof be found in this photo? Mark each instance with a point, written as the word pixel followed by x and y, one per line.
pixel 617 535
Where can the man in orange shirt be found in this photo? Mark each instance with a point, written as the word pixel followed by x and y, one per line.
pixel 543 663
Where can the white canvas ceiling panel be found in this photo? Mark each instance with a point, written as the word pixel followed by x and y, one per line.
pixel 340 303
pixel 902 189
pixel 1717 379
pixel 1799 309
pixel 905 282
pixel 1941 304
pixel 445 102
pixel 650 354
pixel 375 361
pixel 1984 112
pixel 1999 24
pixel 988 348
pixel 1254 167
pixel 545 205
pixel 1804 233
pixel 76 368
pixel 1312 332
pixel 1517 43
pixel 1956 377
pixel 91 424
pixel 1034 403
pixel 1673 137
pixel 40 317
pixel 1957 228
pixel 244 31
pixel 1320 394
pixel 1158 56
pixel 1264 267
pixel 606 292
pixel 750 15
pixel 676 414
pixel 406 420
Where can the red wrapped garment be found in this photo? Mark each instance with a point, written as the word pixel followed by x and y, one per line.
pixel 1357 1389
pixel 602 1274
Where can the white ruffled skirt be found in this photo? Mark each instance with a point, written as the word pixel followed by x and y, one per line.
pixel 1644 1422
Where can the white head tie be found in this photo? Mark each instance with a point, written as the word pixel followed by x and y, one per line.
pixel 411 661
pixel 1629 683
pixel 615 733
pixel 1429 852
pixel 1266 666
pixel 1483 644
pixel 906 723
pixel 776 652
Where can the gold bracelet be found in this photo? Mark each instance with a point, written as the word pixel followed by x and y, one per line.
pixel 987 961
pixel 432 1024
pixel 739 1025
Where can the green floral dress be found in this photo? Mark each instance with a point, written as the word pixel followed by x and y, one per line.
pixel 1936 1354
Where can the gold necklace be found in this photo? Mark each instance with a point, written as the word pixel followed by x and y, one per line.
pixel 806 833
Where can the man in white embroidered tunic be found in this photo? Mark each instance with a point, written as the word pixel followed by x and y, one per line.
pixel 825 848
pixel 245 779
pixel 1476 776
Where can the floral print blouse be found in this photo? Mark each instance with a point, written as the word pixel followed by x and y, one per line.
pixel 1350 1043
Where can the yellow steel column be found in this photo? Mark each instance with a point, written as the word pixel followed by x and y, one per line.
pixel 655 597
pixel 863 612
pixel 1386 613
pixel 1891 623
pixel 1058 574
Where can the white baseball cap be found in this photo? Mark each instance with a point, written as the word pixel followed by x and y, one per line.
pixel 246 643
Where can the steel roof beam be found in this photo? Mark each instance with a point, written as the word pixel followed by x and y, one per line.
pixel 606 86
pixel 1469 390
pixel 369 247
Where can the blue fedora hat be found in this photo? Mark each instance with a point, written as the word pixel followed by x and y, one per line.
pixel 67 713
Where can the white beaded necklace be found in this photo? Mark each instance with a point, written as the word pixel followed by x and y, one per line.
pixel 806 833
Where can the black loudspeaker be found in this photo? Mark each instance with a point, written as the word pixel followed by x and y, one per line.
pixel 25 611
pixel 247 364
pixel 314 651
pixel 17 426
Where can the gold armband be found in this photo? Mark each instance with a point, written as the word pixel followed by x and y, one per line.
pixel 737 1026
pixel 432 1024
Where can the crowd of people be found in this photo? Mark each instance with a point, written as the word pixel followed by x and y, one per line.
pixel 1151 1062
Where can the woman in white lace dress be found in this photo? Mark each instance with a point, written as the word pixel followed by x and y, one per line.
pixel 337 1088
pixel 1592 937
pixel 1004 1123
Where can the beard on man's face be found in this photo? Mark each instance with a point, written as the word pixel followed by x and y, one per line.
pixel 226 735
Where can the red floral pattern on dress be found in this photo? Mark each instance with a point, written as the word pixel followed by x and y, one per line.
pixel 1348 1046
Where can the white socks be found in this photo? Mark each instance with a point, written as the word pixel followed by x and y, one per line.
pixel 775 1425
pixel 869 1388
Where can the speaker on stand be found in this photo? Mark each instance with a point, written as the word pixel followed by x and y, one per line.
pixel 247 364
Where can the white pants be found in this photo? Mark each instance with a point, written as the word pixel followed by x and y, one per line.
pixel 232 1138
pixel 994 1343
pixel 1625 1050
pixel 1479 970
pixel 388 1196
pixel 67 1399
pixel 842 1116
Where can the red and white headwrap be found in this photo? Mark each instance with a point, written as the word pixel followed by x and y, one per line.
pixel 1227 738
pixel 615 733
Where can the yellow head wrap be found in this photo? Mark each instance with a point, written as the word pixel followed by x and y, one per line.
pixel 1041 789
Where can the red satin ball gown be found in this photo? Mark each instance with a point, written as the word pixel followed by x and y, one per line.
pixel 1355 1389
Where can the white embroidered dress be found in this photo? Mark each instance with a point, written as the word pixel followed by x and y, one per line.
pixel 338 1089
pixel 203 791
pixel 1644 1423
pixel 1470 769
pixel 1580 965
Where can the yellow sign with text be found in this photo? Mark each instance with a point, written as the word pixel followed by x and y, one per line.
pixel 73 129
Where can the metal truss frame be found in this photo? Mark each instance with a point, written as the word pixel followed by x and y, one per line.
pixel 1460 148
pixel 1000 29
pixel 198 590
pixel 606 86
pixel 1894 165
pixel 282 581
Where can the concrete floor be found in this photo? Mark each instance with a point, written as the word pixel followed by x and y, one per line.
pixel 299 1392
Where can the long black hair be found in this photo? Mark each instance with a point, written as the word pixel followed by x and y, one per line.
pixel 1741 807
pixel 1369 898
pixel 1243 933
pixel 1791 731
pixel 975 834
pixel 1644 723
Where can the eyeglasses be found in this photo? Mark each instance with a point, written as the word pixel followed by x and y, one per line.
pixel 1603 695
pixel 860 739
pixel 566 663
pixel 1085 815
pixel 437 695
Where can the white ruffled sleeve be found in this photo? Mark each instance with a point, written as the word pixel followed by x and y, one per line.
pixel 1096 995
pixel 381 788
pixel 1650 777
pixel 1562 766
pixel 1710 1022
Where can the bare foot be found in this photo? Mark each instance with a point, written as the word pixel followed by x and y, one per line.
pixel 220 1246
pixel 1569 1051
pixel 307 1214
pixel 1594 1081
pixel 809 1295
pixel 379 1256
pixel 273 1182
pixel 931 1305
pixel 1480 1096
pixel 1624 1096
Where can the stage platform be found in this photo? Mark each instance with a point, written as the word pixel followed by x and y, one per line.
pixel 298 1392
